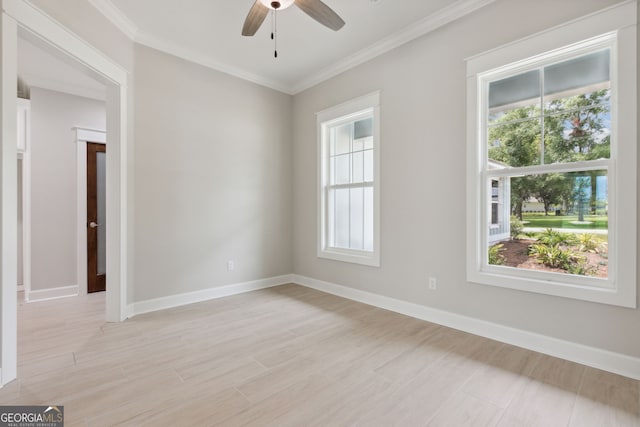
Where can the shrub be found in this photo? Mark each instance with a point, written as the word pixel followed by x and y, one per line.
pixel 516 227
pixel 551 237
pixel 590 243
pixel 495 257
pixel 553 255
pixel 582 267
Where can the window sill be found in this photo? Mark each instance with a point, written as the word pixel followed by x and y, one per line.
pixel 351 256
pixel 556 284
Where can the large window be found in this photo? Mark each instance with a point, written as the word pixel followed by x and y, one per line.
pixel 549 155
pixel 348 165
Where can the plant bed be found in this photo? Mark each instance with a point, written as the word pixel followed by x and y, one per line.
pixel 516 253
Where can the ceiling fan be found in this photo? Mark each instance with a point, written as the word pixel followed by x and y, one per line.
pixel 314 8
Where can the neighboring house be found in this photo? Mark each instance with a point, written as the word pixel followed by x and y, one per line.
pixel 500 212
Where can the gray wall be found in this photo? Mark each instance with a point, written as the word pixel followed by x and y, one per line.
pixel 54 183
pixel 213 178
pixel 423 201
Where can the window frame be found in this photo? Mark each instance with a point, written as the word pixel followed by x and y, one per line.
pixel 340 114
pixel 613 28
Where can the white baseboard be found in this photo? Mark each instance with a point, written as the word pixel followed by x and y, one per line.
pixel 204 295
pixel 53 293
pixel 601 359
pixel 20 288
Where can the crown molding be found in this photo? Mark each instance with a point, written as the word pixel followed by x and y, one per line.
pixel 117 17
pixel 432 22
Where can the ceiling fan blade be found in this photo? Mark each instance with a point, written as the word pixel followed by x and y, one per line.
pixel 321 13
pixel 254 19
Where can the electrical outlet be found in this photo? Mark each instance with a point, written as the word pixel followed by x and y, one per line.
pixel 230 266
pixel 433 283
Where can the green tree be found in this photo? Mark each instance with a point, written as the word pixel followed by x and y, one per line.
pixel 575 130
pixel 552 189
pixel 514 140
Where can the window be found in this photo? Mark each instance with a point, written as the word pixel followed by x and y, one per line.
pixel 549 151
pixel 495 202
pixel 348 181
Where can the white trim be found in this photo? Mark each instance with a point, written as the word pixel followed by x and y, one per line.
pixel 178 300
pixel 90 135
pixel 24 107
pixel 20 288
pixel 117 18
pixel 103 69
pixel 9 198
pixel 597 358
pixel 38 295
pixel 430 23
pixel 26 223
pixel 83 135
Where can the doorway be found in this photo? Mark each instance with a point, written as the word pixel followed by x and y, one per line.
pixel 42 30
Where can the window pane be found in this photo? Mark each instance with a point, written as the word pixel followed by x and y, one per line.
pixel 580 72
pixel 368 143
pixel 357 218
pixel 515 89
pixel 341 171
pixel 368 165
pixel 358 166
pixel 495 187
pixel 368 219
pixel 508 114
pixel 358 145
pixel 494 213
pixel 363 128
pixel 341 139
pixel 341 218
pixel 564 220
pixel 331 218
pixel 579 100
pixel 516 143
pixel 578 128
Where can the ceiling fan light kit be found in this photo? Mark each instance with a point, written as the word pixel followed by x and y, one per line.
pixel 281 4
pixel 314 8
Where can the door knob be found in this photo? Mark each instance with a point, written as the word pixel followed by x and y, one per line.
pixel 93 224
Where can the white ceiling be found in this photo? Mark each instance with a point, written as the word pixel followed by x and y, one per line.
pixel 208 32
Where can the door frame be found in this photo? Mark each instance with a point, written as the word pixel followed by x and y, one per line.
pixel 49 34
pixel 83 135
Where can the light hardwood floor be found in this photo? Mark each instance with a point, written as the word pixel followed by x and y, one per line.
pixel 291 356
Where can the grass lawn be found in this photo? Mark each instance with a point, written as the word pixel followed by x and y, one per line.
pixel 552 221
